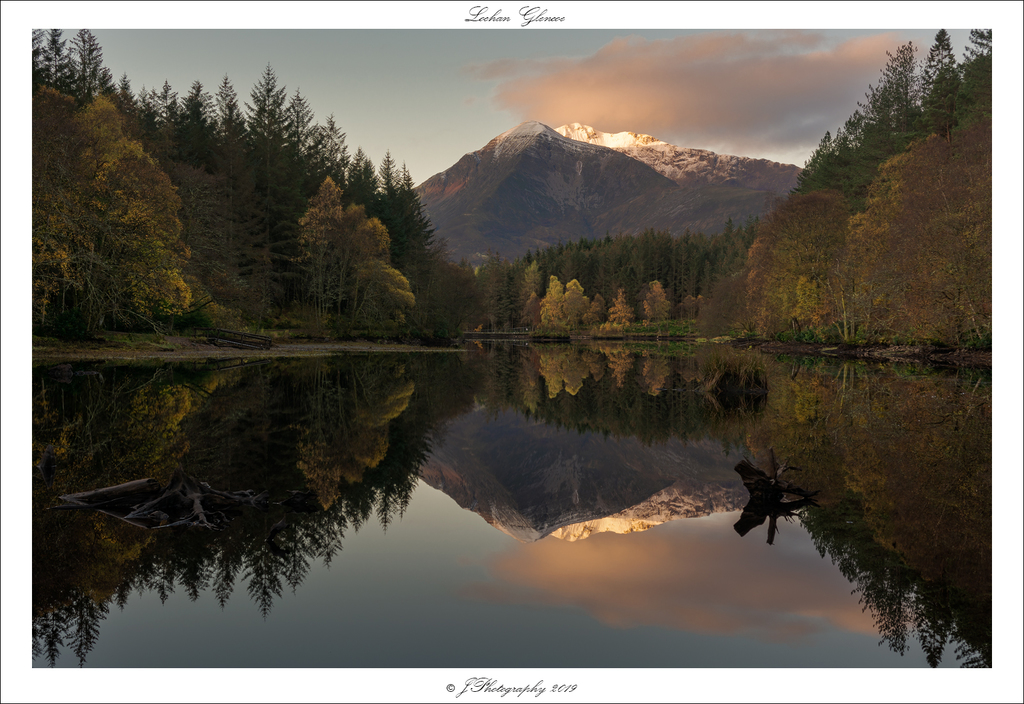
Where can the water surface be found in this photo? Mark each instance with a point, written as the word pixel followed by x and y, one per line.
pixel 537 507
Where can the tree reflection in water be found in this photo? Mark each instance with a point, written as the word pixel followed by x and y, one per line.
pixel 339 441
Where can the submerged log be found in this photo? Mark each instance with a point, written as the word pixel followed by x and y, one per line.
pixel 183 502
pixel 769 496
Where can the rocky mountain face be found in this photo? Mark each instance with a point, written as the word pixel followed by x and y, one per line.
pixel 572 485
pixel 532 187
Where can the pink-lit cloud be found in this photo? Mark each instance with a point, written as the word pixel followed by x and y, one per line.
pixel 704 581
pixel 767 94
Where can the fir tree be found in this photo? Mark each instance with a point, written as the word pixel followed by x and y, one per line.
pixel 975 99
pixel 277 184
pixel 328 156
pixel 941 86
pixel 196 129
pixel 362 181
pixel 55 63
pixel 89 76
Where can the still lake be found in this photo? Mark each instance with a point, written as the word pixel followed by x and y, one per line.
pixel 514 506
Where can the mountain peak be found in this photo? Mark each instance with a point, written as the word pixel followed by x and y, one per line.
pixel 530 128
pixel 618 140
pixel 523 135
pixel 690 167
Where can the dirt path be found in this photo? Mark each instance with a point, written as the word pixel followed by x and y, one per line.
pixel 184 348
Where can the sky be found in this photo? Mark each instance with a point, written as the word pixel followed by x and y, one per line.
pixel 752 79
pixel 431 95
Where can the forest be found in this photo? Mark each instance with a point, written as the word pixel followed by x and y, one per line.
pixel 152 211
pixel 155 212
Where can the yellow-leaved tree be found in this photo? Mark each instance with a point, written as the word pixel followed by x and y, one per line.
pixel 346 262
pixel 105 232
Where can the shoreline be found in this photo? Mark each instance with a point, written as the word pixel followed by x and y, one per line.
pixel 189 349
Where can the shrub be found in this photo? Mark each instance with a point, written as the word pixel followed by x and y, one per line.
pixel 69 325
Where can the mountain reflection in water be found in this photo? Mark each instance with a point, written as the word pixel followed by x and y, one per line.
pixel 582 444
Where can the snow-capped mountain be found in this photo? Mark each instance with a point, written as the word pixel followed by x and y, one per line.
pixel 691 167
pixel 571 485
pixel 531 187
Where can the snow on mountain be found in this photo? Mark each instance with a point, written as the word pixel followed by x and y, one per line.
pixel 526 134
pixel 690 167
pixel 671 503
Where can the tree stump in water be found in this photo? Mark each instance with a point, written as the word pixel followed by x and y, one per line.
pixel 768 496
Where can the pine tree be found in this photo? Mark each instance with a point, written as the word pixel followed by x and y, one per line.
pixel 328 154
pixel 38 67
pixel 975 99
pixel 237 191
pixel 893 107
pixel 90 77
pixel 55 63
pixel 941 85
pixel 124 99
pixel 362 181
pixel 387 209
pixel 196 129
pixel 300 140
pixel 277 185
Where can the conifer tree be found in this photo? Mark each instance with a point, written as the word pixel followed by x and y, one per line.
pixel 975 99
pixel 56 68
pixel 38 69
pixel 328 157
pixel 90 77
pixel 362 181
pixel 196 129
pixel 277 186
pixel 893 107
pixel 237 192
pixel 300 138
pixel 941 86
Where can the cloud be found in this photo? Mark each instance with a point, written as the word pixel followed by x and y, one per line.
pixel 698 577
pixel 761 94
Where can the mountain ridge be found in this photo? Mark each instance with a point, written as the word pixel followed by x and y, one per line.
pixel 688 166
pixel 531 187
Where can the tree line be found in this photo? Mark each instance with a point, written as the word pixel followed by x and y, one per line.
pixel 152 210
pixel 612 281
pixel 888 235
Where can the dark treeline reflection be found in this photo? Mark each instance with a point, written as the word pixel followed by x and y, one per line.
pixel 351 429
pixel 653 395
pixel 902 461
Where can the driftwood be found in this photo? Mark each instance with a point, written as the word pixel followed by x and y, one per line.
pixel 183 502
pixel 769 496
